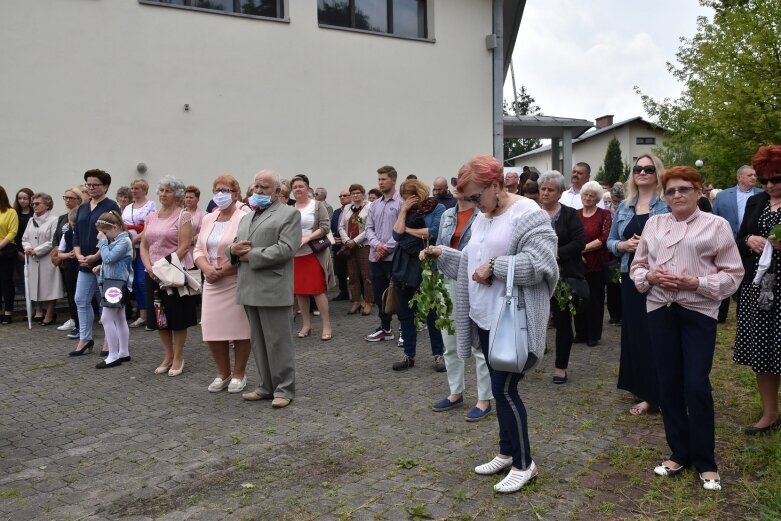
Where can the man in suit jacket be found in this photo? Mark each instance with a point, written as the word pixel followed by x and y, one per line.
pixel 731 205
pixel 266 242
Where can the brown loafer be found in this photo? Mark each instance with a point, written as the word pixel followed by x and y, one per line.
pixel 254 396
pixel 279 402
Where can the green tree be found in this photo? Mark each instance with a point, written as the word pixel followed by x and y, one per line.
pixel 524 106
pixel 731 75
pixel 612 169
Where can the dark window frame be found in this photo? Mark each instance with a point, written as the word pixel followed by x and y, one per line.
pixel 645 141
pixel 389 33
pixel 236 5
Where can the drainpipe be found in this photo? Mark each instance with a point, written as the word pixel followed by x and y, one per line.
pixel 495 42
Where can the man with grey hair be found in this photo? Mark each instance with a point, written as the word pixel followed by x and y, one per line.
pixel 320 195
pixel 266 241
pixel 731 205
pixel 440 191
pixel 511 181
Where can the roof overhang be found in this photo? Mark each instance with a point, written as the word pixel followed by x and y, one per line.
pixel 543 127
pixel 512 13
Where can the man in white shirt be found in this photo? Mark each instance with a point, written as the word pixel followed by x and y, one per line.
pixel 581 174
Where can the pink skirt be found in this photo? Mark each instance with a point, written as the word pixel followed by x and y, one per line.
pixel 308 276
pixel 221 317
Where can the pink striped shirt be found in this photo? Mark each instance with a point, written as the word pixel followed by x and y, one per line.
pixel 702 246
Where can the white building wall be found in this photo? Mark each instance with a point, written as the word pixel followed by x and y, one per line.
pixel 102 84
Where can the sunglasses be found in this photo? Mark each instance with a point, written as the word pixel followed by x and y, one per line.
pixel 683 190
pixel 648 169
pixel 475 197
pixel 776 180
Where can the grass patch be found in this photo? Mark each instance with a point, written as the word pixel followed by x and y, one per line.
pixel 10 493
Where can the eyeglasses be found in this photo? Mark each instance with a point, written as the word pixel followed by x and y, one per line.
pixel 475 197
pixel 69 198
pixel 683 190
pixel 648 169
pixel 344 195
pixel 776 180
pixel 37 203
pixel 93 185
pixel 222 191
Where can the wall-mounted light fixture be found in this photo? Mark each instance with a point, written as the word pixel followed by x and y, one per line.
pixel 141 168
pixel 186 107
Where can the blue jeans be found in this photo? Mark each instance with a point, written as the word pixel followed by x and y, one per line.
pixel 86 290
pixel 683 344
pixel 139 281
pixel 408 330
pixel 510 411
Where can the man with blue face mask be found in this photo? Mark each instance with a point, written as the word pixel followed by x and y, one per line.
pixel 266 242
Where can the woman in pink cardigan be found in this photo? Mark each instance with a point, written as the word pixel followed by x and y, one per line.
pixel 222 319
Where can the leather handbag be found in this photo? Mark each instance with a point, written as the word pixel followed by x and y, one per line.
pixel 54 254
pixel 319 245
pixel 508 343
pixel 390 300
pixel 113 293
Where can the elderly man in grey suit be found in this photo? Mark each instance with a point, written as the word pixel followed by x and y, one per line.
pixel 731 204
pixel 265 244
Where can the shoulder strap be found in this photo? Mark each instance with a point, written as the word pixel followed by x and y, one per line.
pixel 510 275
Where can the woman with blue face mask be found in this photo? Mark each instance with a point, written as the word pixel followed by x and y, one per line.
pixel 222 319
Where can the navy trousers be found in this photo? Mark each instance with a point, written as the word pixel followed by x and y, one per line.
pixel 510 411
pixel 683 344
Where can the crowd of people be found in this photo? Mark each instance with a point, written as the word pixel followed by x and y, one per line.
pixel 244 268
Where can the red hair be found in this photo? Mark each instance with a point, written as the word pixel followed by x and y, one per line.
pixel 481 170
pixel 767 161
pixel 685 173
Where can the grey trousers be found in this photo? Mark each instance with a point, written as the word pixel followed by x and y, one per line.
pixel 272 347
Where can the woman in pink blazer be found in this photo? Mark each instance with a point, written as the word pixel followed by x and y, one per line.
pixel 222 319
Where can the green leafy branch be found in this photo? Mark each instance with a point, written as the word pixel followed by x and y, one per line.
pixel 565 297
pixel 775 232
pixel 433 295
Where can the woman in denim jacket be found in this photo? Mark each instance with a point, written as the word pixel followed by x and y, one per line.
pixel 116 251
pixel 455 230
pixel 636 372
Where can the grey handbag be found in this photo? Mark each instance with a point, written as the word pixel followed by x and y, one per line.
pixel 508 344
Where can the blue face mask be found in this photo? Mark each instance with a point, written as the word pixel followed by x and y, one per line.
pixel 260 200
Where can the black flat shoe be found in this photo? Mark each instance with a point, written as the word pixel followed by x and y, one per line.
pixel 125 359
pixel 5 319
pixel 87 347
pixel 38 319
pixel 753 431
pixel 50 322
pixel 354 311
pixel 103 365
pixel 104 353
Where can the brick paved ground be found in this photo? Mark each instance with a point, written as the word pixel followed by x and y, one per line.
pixel 359 441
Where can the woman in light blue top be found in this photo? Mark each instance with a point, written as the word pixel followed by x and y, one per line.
pixel 636 372
pixel 116 251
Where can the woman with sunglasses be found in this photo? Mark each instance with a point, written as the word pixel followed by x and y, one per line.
pixel 643 189
pixel 45 283
pixel 507 225
pixel 758 339
pixel 686 263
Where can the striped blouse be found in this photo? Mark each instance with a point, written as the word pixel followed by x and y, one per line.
pixel 702 246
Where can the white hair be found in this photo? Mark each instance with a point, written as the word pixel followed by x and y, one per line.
pixel 274 178
pixel 172 183
pixel 594 188
pixel 552 176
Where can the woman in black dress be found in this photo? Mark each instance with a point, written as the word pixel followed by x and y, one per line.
pixel 758 339
pixel 636 373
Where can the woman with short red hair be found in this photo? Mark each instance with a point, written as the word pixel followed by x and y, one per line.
pixel 686 263
pixel 758 339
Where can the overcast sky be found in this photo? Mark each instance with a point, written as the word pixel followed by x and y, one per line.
pixel 581 59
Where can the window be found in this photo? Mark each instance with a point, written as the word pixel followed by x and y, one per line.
pixel 405 18
pixel 261 8
pixel 645 141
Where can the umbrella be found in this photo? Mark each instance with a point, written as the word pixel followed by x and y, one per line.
pixel 27 300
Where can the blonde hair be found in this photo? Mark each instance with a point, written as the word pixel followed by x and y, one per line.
pixel 113 218
pixel 414 186
pixel 630 189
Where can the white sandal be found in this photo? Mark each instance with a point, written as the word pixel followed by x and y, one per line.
pixel 516 479
pixel 710 484
pixel 493 466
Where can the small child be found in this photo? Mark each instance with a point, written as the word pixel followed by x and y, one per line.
pixel 115 276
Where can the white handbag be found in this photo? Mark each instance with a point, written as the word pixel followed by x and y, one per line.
pixel 508 344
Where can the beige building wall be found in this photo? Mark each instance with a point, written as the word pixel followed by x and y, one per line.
pixel 103 84
pixel 592 150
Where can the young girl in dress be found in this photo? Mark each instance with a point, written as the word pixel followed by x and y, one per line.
pixel 116 252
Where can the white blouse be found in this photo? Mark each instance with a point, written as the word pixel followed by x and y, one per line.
pixel 308 216
pixel 212 243
pixel 490 239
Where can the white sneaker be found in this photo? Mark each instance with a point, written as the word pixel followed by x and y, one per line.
pixel 219 384
pixel 237 385
pixel 494 466
pixel 516 479
pixel 67 326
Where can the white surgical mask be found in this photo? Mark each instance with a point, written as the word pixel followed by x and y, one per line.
pixel 222 200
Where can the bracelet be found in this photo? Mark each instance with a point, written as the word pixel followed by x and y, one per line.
pixel 491 264
pixel 747 238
